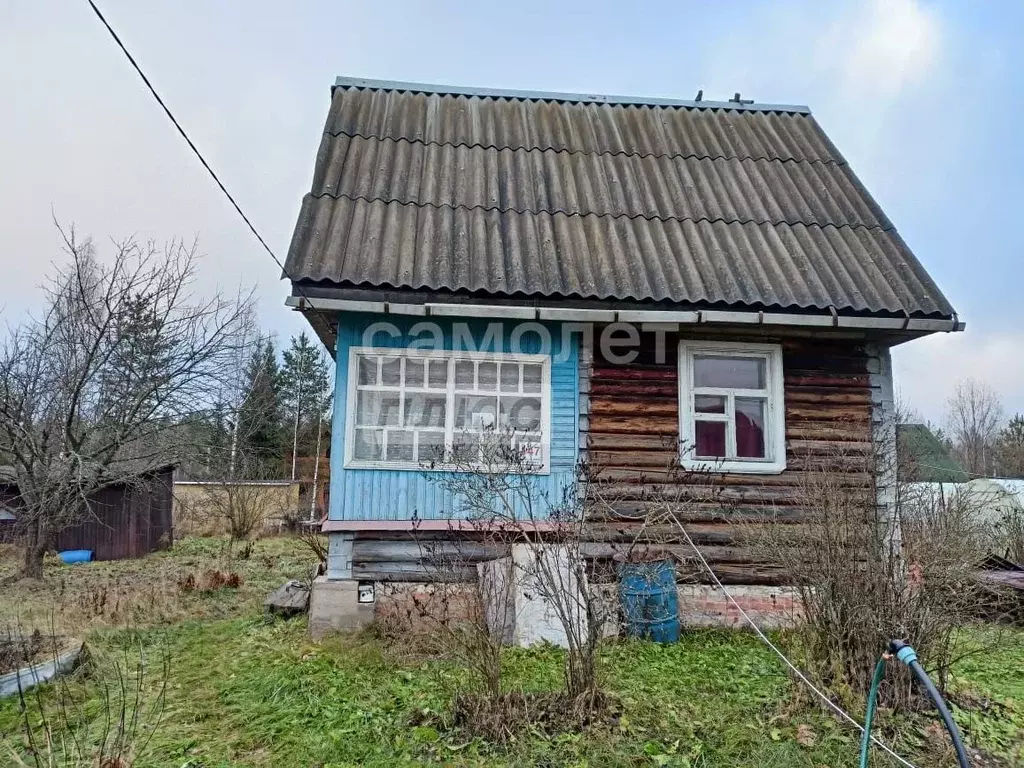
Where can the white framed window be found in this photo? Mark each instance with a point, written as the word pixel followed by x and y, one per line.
pixel 731 407
pixel 410 408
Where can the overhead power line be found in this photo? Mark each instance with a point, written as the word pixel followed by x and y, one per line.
pixel 185 136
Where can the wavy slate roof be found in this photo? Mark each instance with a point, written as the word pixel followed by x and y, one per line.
pixel 558 196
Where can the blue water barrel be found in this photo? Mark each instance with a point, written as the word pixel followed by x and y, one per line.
pixel 650 603
pixel 72 556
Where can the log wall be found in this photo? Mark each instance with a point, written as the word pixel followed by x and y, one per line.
pixel 631 434
pixel 628 432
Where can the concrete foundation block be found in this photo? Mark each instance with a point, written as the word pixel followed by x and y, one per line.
pixel 334 607
pixel 517 606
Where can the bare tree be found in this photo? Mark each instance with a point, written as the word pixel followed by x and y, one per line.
pixel 973 416
pixel 866 574
pixel 239 507
pixel 98 388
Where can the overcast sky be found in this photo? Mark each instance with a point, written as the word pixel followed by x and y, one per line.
pixel 923 98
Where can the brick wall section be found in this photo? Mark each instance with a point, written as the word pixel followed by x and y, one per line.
pixel 699 605
pixel 707 606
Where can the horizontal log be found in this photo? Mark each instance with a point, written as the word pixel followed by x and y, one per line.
pixel 680 551
pixel 604 441
pixel 603 462
pixel 633 389
pixel 830 364
pixel 436 552
pixel 670 390
pixel 834 463
pixel 761 496
pixel 755 574
pixel 827 396
pixel 824 347
pixel 642 425
pixel 719 534
pixel 811 379
pixel 633 373
pixel 857 414
pixel 411 572
pixel 809 430
pixel 627 512
pixel 816 447
pixel 683 478
pixel 604 406
pixel 650 458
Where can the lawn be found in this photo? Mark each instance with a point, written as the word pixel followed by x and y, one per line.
pixel 242 691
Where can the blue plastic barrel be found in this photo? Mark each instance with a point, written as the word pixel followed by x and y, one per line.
pixel 650 603
pixel 71 556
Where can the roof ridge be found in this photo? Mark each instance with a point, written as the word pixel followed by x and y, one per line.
pixel 567 214
pixel 583 98
pixel 691 156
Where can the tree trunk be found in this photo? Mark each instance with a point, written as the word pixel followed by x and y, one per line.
pixel 295 431
pixel 35 548
pixel 316 467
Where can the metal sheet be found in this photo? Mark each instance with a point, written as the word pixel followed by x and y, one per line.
pixel 860 269
pixel 760 191
pixel 533 196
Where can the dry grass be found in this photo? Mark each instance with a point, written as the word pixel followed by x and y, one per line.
pixel 149 591
pixel 500 719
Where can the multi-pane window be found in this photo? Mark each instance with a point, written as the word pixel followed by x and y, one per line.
pixel 731 406
pixel 411 408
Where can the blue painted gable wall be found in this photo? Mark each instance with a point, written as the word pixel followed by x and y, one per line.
pixel 376 494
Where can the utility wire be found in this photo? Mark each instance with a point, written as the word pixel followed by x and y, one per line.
pixel 831 704
pixel 194 148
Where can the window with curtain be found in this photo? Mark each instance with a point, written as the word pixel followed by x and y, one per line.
pixel 731 406
pixel 409 408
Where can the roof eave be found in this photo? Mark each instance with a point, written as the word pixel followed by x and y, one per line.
pixel 527 311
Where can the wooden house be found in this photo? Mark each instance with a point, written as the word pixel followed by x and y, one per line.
pixel 645 284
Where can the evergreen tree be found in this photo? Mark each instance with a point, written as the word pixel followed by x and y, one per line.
pixel 1010 448
pixel 260 415
pixel 306 395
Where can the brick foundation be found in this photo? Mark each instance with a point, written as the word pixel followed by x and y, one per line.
pixel 402 606
pixel 707 606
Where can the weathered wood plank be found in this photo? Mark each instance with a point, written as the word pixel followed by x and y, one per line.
pixel 414 551
pixel 605 406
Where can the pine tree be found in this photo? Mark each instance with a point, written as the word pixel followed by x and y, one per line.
pixel 260 415
pixel 306 395
pixel 1010 448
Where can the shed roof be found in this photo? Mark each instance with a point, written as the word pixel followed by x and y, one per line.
pixel 555 196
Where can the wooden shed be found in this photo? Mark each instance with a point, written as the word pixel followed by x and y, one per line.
pixel 125 520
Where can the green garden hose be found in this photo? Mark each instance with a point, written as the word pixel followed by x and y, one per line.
pixel 908 656
pixel 869 715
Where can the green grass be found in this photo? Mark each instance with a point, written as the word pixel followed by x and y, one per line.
pixel 243 692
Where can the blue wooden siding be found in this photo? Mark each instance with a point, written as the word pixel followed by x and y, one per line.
pixel 387 494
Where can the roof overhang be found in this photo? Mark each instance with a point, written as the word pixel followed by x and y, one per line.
pixel 321 311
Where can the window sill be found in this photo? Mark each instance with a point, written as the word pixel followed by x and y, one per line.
pixel 734 467
pixel 413 467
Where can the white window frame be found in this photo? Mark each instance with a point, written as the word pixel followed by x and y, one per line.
pixel 451 356
pixel 775 408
